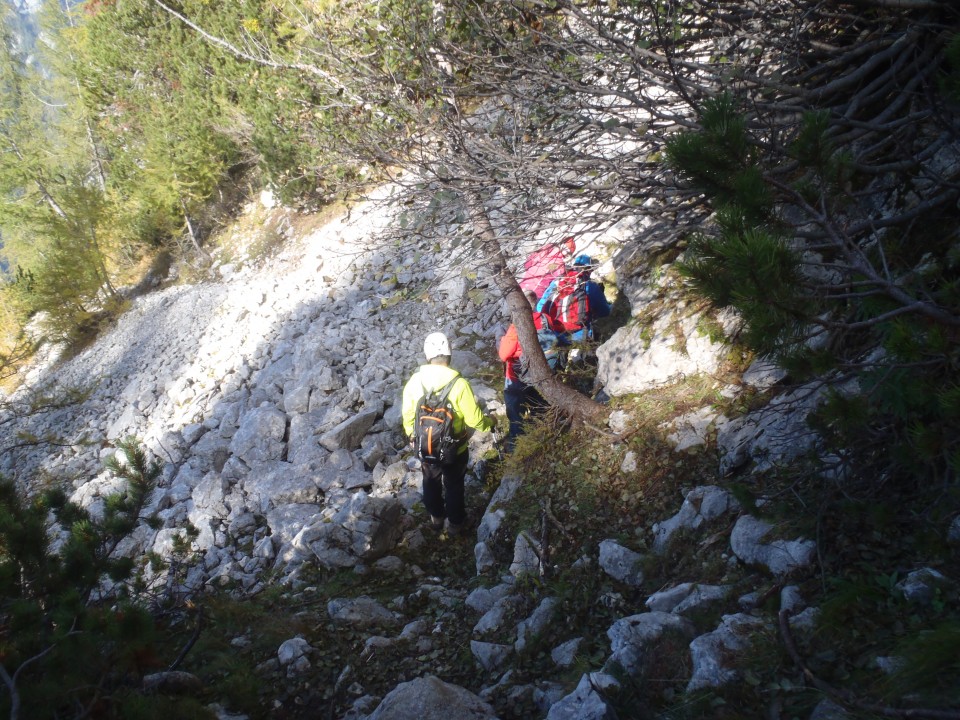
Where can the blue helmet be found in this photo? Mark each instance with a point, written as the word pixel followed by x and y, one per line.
pixel 583 261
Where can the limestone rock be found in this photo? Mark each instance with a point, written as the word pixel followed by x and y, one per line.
pixel 286 521
pixel 495 510
pixel 292 650
pixel 584 703
pixel 260 436
pixel 172 682
pixel 621 563
pixel 493 619
pixel 565 653
pixel 920 586
pixel 484 558
pixel 780 557
pixel 490 655
pixel 693 429
pixel 777 433
pixel 350 432
pixel 526 556
pixel 632 639
pixel 637 358
pixel 712 654
pixel 763 374
pixel 366 527
pixel 482 599
pixel 686 597
pixel 361 612
pixel 700 506
pixel 829 710
pixel 429 698
pixel 279 483
pixel 536 623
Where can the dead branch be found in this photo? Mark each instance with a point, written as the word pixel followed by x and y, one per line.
pixel 190 643
pixel 553 518
pixel 544 537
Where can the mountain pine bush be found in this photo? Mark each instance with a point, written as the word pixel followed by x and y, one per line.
pixel 76 631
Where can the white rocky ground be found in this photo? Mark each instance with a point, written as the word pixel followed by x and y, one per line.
pixel 271 394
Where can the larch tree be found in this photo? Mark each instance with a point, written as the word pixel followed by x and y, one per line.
pixel 50 214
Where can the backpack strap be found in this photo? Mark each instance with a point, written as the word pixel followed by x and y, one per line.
pixel 443 398
pixel 447 388
pixel 444 391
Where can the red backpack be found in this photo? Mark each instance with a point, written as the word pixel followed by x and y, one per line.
pixel 570 304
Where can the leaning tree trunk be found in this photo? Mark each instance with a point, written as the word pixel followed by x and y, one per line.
pixel 565 398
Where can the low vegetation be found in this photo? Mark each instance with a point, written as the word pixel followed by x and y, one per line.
pixel 574 495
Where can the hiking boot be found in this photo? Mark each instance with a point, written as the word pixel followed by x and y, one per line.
pixel 436 523
pixel 455 530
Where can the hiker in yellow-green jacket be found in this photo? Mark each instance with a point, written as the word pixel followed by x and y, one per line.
pixel 443 481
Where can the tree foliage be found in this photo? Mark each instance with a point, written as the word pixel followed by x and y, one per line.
pixel 807 150
pixel 818 240
pixel 51 214
pixel 77 627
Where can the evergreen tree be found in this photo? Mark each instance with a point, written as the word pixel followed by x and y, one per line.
pixel 50 212
pixel 76 624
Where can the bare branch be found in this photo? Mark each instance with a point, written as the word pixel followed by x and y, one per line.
pixel 264 61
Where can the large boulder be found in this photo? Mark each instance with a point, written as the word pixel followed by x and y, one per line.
pixel 260 435
pixel 773 435
pixel 633 639
pixel 780 557
pixel 637 357
pixel 365 528
pixel 429 698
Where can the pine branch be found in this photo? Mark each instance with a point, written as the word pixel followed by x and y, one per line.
pixel 263 61
pixel 847 697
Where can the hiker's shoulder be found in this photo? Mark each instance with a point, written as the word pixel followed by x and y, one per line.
pixel 438 375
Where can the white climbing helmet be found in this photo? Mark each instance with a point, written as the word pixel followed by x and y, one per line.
pixel 436 345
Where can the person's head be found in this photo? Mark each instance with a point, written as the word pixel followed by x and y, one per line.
pixel 585 264
pixel 568 247
pixel 531 298
pixel 436 348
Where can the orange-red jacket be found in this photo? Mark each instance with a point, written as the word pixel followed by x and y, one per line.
pixel 511 352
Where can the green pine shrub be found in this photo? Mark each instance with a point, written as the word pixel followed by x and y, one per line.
pixel 78 634
pixel 857 325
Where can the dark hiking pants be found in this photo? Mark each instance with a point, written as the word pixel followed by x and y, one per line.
pixel 518 399
pixel 443 489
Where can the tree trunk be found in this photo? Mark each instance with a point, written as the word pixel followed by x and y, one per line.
pixel 101 265
pixel 570 401
pixel 88 126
